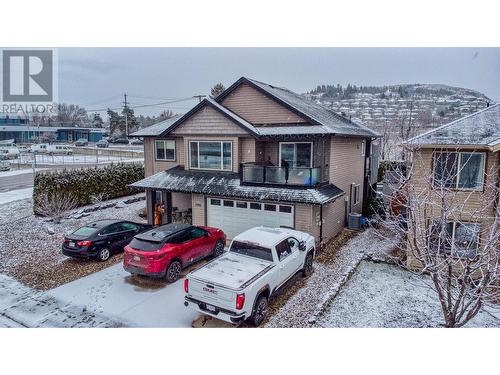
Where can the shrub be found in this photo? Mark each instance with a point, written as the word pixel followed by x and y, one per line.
pixel 83 185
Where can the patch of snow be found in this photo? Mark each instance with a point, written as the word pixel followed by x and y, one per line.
pixel 15 195
pixel 114 292
pixel 18 172
pixel 384 295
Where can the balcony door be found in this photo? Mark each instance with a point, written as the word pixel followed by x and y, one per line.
pixel 296 154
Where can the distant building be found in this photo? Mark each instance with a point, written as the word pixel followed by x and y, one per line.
pixel 20 129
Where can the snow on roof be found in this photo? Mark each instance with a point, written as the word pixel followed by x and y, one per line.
pixel 481 128
pixel 228 185
pixel 156 129
pixel 332 122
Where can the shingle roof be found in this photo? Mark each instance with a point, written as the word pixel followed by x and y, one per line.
pixel 481 128
pixel 228 185
pixel 156 129
pixel 332 122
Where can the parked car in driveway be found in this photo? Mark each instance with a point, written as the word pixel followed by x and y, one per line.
pixel 102 143
pixel 237 286
pixel 101 239
pixel 136 141
pixel 165 250
pixel 81 142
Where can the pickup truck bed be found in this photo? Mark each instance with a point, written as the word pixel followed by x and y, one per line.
pixel 229 271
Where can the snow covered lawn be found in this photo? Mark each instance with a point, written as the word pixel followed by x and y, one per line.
pixel 331 269
pixel 31 255
pixel 43 159
pixel 384 295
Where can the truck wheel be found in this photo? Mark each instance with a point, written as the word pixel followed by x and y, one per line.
pixel 308 265
pixel 103 254
pixel 218 249
pixel 259 311
pixel 173 271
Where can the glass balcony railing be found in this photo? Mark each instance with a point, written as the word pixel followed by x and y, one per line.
pixel 272 175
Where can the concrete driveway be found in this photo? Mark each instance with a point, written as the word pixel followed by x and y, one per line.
pixel 131 300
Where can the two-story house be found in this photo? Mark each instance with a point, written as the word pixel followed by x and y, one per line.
pixel 455 177
pixel 258 155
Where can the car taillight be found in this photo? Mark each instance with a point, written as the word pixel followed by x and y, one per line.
pixel 186 285
pixel 84 243
pixel 157 256
pixel 240 301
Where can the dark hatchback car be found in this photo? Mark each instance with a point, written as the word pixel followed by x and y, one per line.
pixel 101 239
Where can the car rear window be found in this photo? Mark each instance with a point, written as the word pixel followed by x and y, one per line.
pixel 252 250
pixel 84 231
pixel 142 245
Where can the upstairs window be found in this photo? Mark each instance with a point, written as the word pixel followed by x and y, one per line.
pixel 459 170
pixel 165 150
pixel 211 155
pixel 296 155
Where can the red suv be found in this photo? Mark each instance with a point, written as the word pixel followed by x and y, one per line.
pixel 165 250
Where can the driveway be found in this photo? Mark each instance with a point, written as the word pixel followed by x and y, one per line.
pixel 131 300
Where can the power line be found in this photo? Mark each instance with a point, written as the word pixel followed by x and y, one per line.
pixel 142 105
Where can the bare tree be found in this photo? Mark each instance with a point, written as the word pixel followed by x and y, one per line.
pixel 54 205
pixel 449 217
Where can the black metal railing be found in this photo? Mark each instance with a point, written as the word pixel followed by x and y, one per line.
pixel 252 173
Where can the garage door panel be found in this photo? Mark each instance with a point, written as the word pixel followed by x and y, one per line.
pixel 236 219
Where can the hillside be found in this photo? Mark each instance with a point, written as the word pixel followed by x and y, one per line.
pixel 421 106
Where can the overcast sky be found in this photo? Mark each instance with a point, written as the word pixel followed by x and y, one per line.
pixel 98 77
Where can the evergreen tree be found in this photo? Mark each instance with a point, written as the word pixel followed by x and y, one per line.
pixel 97 121
pixel 217 90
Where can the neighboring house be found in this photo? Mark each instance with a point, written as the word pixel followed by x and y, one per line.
pixel 258 155
pixel 458 161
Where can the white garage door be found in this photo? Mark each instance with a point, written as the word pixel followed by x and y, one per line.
pixel 234 216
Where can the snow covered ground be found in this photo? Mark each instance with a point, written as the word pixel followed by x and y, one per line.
pixel 30 254
pixel 134 301
pixel 43 159
pixel 384 295
pixel 302 308
pixel 15 195
pixel 18 172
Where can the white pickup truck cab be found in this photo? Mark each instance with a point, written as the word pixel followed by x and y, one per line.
pixel 237 285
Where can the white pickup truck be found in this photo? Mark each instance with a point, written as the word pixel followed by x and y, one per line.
pixel 237 285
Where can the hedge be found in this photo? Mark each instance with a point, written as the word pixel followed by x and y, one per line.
pixel 83 184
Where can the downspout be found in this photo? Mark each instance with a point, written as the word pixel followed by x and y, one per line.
pixel 320 225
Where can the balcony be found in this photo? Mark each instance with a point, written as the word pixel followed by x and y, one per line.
pixel 254 174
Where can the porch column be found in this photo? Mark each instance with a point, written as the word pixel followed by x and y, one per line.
pixel 150 204
pixel 167 199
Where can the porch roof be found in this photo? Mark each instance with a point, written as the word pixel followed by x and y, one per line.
pixel 226 184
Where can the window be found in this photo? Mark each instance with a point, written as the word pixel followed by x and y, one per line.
pixel 459 239
pixel 270 207
pixel 165 149
pixel 211 155
pixel 197 233
pixel 182 237
pixel 255 206
pixel 229 203
pixel 129 226
pixel 241 204
pixel 283 250
pixel 251 250
pixel 111 229
pixel 459 170
pixel 286 209
pixel 363 148
pixel 215 202
pixel 297 155
pixel 293 243
pixel 355 194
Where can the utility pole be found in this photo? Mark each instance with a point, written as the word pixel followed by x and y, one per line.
pixel 200 97
pixel 125 109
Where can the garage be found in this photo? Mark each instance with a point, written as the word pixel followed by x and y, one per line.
pixel 236 216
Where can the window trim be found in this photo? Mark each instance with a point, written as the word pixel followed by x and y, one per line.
pixel 459 162
pixel 221 159
pixel 453 250
pixel 295 153
pixel 156 150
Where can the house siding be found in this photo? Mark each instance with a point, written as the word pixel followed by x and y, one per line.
pixel 304 220
pixel 333 219
pixel 207 121
pixel 199 208
pixel 152 165
pixel 247 150
pixel 258 109
pixel 347 167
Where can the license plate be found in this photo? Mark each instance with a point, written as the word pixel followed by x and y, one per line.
pixel 71 244
pixel 137 258
pixel 210 307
